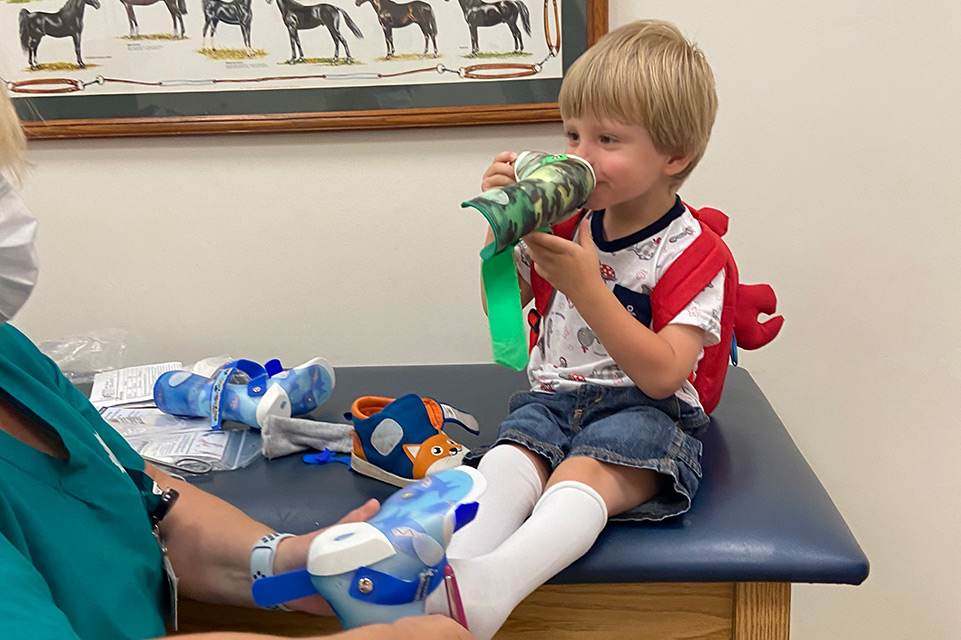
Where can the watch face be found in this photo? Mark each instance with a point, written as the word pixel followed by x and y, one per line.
pixel 167 500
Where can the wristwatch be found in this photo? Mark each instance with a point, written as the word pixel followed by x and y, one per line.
pixel 262 559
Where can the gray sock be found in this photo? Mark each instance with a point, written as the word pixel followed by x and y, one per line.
pixel 283 436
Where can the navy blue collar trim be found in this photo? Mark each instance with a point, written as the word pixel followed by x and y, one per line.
pixel 597 229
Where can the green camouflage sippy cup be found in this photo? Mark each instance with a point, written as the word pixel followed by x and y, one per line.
pixel 549 189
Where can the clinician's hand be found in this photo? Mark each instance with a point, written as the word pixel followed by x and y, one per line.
pixel 292 556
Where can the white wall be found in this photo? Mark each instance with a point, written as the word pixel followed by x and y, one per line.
pixel 835 152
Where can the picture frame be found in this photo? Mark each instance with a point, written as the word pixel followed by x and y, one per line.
pixel 494 91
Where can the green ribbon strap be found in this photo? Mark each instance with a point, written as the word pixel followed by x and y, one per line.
pixel 547 191
pixel 508 336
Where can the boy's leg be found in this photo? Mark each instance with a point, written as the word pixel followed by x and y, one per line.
pixel 563 526
pixel 621 487
pixel 515 480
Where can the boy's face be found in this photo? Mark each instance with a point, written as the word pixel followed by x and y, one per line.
pixel 629 170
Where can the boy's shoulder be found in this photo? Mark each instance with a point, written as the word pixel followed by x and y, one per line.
pixel 740 324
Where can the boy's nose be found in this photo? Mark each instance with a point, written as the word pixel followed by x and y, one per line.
pixel 583 151
pixel 589 157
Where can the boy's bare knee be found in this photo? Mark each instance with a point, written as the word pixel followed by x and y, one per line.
pixel 621 487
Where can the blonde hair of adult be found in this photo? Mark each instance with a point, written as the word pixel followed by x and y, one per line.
pixel 647 73
pixel 13 143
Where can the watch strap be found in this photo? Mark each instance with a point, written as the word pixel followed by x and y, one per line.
pixel 262 556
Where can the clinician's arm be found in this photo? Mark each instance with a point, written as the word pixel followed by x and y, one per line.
pixel 419 628
pixel 209 542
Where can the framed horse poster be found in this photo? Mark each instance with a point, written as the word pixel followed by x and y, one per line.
pixel 105 68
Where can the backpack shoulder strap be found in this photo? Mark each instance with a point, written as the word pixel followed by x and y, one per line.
pixel 688 275
pixel 683 280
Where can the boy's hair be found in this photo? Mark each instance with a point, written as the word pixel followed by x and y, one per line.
pixel 12 140
pixel 646 73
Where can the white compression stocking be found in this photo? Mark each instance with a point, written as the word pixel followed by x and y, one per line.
pixel 513 486
pixel 564 525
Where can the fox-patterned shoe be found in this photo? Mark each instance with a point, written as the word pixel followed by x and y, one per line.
pixel 382 570
pixel 400 441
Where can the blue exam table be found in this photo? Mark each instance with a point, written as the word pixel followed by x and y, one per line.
pixel 760 522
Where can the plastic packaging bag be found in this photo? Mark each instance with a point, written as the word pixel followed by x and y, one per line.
pixel 80 357
pixel 186 445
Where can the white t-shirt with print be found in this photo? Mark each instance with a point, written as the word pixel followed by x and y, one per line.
pixel 568 354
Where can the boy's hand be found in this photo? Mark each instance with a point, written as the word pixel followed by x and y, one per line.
pixel 570 266
pixel 501 171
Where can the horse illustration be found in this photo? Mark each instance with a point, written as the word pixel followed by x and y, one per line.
pixel 34 25
pixel 479 13
pixel 177 9
pixel 297 16
pixel 394 15
pixel 229 12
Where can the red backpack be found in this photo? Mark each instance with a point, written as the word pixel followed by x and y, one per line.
pixel 684 279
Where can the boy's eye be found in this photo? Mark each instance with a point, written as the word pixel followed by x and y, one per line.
pixel 572 136
pixel 607 140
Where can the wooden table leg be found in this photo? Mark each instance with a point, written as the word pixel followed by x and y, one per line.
pixel 762 610
pixel 651 611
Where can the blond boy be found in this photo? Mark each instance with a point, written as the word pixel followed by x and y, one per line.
pixel 608 428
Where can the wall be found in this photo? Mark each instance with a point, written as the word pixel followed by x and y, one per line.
pixel 835 151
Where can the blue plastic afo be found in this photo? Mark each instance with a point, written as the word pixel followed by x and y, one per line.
pixel 382 570
pixel 246 392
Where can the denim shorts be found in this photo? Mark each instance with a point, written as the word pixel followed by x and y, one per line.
pixel 618 425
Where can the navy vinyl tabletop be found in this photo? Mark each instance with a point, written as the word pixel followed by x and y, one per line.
pixel 761 513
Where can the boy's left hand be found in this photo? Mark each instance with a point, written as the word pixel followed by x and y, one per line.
pixel 569 266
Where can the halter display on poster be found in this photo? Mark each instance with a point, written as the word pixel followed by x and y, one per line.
pixel 100 68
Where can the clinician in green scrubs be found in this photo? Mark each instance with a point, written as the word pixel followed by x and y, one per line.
pixel 76 548
pixel 78 558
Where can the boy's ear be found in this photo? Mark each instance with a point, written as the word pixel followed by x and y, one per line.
pixel 677 164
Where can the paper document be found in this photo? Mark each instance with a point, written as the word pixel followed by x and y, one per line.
pixel 128 421
pixel 186 444
pixel 129 385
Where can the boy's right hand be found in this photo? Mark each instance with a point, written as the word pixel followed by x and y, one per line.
pixel 501 171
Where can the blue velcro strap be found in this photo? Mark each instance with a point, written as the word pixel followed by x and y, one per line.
pixel 273 367
pixel 256 387
pixel 283 587
pixel 257 374
pixel 326 456
pixel 386 589
pixel 464 513
pixel 734 350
